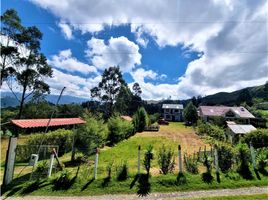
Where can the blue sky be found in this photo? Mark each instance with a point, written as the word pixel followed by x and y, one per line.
pixel 176 49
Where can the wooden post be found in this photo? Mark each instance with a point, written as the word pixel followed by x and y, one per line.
pixel 10 160
pixel 216 159
pixel 139 159
pixel 96 163
pixel 50 165
pixel 180 159
pixel 253 156
pixel 199 154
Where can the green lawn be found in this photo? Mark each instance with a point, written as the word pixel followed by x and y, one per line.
pixel 160 183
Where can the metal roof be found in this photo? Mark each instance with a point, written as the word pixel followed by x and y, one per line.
pixel 172 106
pixel 241 128
pixel 222 110
pixel 33 123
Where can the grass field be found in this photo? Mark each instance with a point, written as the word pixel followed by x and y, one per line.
pixel 126 151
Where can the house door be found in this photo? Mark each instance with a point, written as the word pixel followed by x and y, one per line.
pixel 173 118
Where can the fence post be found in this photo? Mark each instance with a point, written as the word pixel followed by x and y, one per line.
pixel 96 163
pixel 50 165
pixel 139 159
pixel 253 156
pixel 199 154
pixel 216 159
pixel 180 159
pixel 10 160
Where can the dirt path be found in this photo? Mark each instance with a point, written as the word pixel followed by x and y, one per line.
pixel 185 136
pixel 156 196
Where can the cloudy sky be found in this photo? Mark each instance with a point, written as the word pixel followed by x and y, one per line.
pixel 174 48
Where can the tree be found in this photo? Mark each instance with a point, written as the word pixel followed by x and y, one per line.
pixel 11 28
pixel 140 119
pixel 190 113
pixel 136 89
pixel 29 66
pixel 123 100
pixel 194 101
pixel 244 96
pixel 109 87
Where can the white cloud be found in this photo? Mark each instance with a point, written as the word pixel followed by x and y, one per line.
pixel 118 51
pixel 232 35
pixel 75 85
pixel 66 30
pixel 65 61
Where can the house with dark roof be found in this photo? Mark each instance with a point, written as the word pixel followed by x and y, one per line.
pixel 172 112
pixel 239 114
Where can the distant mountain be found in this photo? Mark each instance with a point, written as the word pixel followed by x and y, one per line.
pixel 231 98
pixel 8 99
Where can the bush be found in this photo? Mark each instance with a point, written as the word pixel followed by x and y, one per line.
pixel 91 135
pixel 262 159
pixel 148 156
pixel 61 137
pixel 122 172
pixel 166 160
pixel 259 138
pixel 140 119
pixel 207 176
pixel 210 130
pixel 62 181
pixel 191 164
pixel 226 155
pixel 244 158
pixel 119 129
pixel 154 118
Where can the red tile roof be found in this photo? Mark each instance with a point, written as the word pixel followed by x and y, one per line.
pixel 33 123
pixel 222 110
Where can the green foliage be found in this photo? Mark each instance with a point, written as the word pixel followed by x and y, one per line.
pixel 244 159
pixel 62 181
pixel 191 163
pixel 226 155
pixel 140 119
pixel 181 179
pixel 262 159
pixel 259 138
pixel 109 87
pixel 148 157
pixel 123 100
pixel 31 62
pixel 154 118
pixel 122 172
pixel 207 176
pixel 119 129
pixel 217 120
pixel 166 160
pixel 60 137
pixel 210 130
pixel 190 113
pixel 91 135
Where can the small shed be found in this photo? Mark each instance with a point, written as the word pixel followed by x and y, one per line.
pixel 235 131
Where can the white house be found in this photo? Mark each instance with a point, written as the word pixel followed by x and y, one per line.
pixel 172 112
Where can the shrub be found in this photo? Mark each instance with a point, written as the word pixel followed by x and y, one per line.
pixel 244 158
pixel 148 156
pixel 61 137
pixel 166 160
pixel 90 135
pixel 119 129
pixel 218 121
pixel 262 159
pixel 154 118
pixel 226 156
pixel 122 172
pixel 207 176
pixel 140 119
pixel 62 181
pixel 191 164
pixel 210 130
pixel 181 179
pixel 259 138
